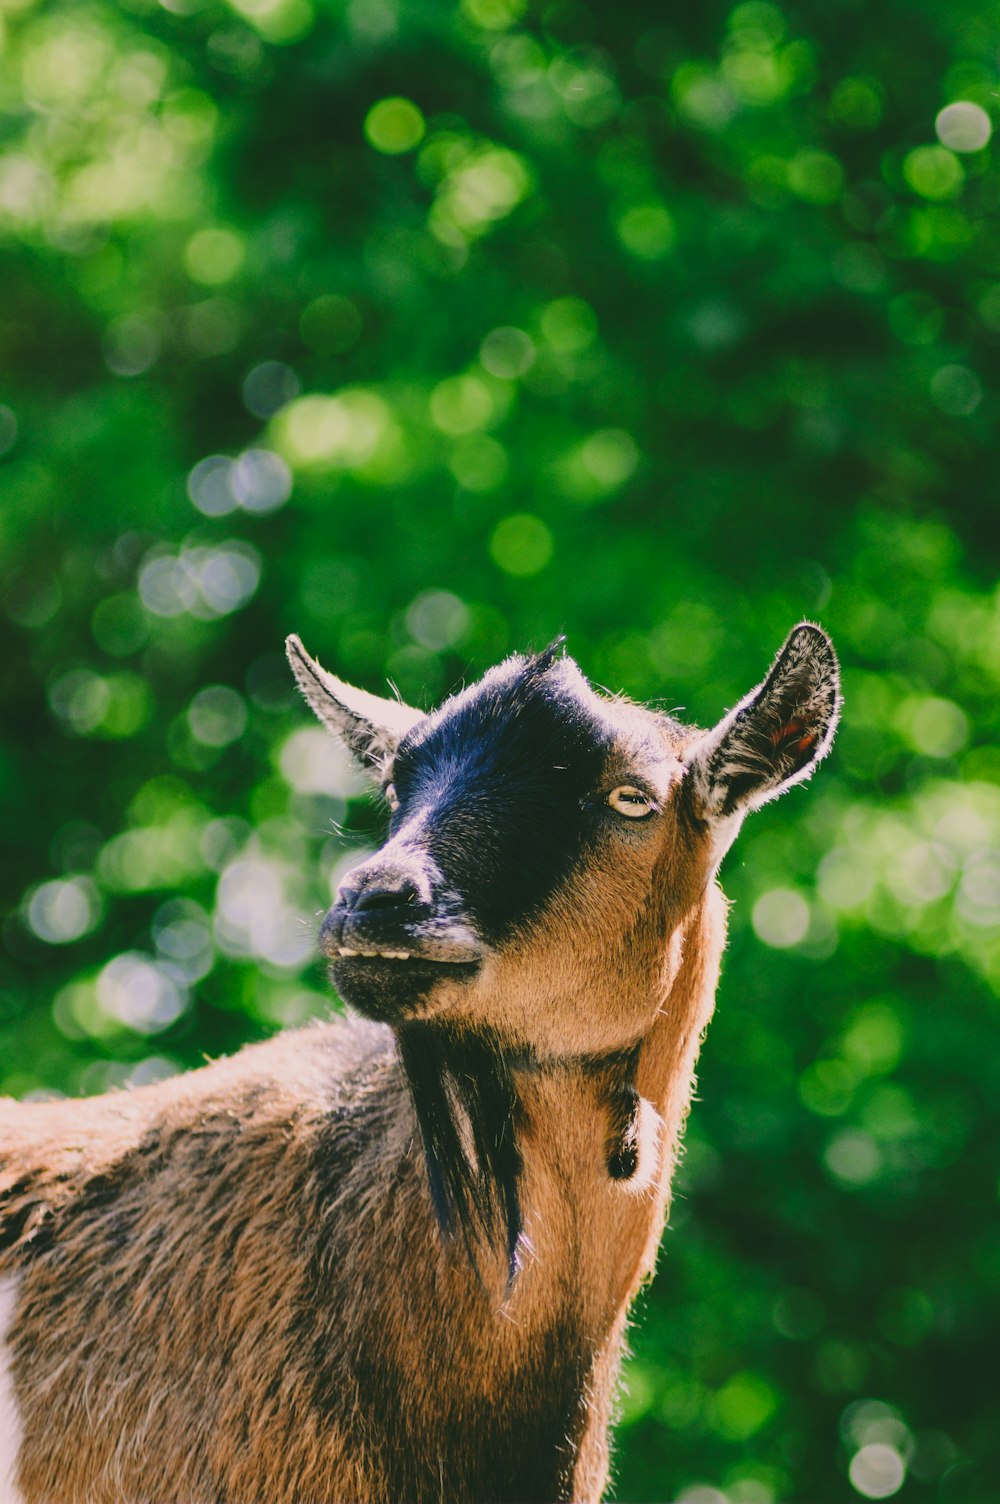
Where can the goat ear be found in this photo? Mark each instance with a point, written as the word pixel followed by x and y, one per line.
pixel 369 726
pixel 775 736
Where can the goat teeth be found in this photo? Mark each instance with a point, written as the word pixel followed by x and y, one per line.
pixel 376 955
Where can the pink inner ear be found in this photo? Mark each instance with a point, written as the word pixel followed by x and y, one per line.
pixel 794 730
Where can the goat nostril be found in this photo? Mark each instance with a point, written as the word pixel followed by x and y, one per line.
pixel 378 897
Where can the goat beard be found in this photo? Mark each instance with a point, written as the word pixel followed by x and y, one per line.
pixel 465 1103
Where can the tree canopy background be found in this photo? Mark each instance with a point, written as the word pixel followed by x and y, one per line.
pixel 430 331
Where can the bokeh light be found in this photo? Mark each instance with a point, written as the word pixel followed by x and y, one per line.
pixel 394 125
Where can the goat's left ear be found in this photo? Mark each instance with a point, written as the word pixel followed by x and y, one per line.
pixel 775 736
pixel 369 726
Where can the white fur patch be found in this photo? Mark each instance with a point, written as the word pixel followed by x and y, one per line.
pixel 10 1418
pixel 647 1148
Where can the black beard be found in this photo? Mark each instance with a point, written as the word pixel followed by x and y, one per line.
pixel 453 1077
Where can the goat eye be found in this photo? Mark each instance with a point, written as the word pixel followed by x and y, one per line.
pixel 631 802
pixel 391 797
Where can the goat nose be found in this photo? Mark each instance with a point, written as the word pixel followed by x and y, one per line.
pixel 386 895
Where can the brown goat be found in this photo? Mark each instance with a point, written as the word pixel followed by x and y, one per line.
pixel 391 1257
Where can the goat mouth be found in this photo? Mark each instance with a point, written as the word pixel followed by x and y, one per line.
pixel 389 969
pixel 362 953
pixel 353 938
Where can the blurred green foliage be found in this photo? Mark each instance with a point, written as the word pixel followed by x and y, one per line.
pixel 430 330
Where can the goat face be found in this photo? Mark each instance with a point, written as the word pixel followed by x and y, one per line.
pixel 504 803
pixel 545 839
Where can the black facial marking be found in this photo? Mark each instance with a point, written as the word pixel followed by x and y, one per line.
pixel 505 774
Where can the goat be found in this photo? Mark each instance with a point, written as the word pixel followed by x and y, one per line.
pixel 390 1257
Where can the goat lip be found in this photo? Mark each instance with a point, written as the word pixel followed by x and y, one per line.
pixel 400 956
pixel 441 942
pixel 401 965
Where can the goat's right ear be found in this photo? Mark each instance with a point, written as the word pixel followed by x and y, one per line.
pixel 774 737
pixel 369 726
